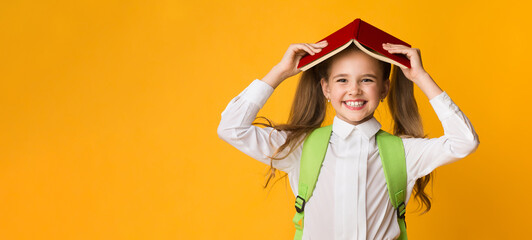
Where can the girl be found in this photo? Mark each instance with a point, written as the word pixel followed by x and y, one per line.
pixel 350 200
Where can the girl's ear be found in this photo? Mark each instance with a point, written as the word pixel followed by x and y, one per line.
pixel 386 88
pixel 325 87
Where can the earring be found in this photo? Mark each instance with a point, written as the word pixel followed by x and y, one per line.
pixel 328 100
pixel 382 100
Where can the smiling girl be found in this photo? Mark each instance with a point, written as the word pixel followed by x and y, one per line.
pixel 350 200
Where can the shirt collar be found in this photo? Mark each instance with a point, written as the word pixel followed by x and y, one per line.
pixel 343 129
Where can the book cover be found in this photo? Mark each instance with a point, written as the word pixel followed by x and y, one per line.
pixel 365 36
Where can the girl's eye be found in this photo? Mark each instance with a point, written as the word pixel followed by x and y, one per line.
pixel 367 80
pixel 341 80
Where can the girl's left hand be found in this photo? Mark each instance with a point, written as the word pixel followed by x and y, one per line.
pixel 414 55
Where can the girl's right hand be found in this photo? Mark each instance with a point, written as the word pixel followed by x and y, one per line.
pixel 288 65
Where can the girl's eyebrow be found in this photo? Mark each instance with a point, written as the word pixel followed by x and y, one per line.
pixel 341 75
pixel 369 75
pixel 347 75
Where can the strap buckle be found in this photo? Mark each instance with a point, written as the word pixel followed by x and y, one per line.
pixel 300 206
pixel 401 210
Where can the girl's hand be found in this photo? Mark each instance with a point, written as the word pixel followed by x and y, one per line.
pixel 288 65
pixel 290 60
pixel 416 70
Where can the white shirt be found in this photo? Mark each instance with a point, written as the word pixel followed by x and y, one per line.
pixel 351 199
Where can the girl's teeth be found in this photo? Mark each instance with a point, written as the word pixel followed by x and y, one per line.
pixel 355 104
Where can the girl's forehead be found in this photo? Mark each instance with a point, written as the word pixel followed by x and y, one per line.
pixel 355 60
pixel 355 64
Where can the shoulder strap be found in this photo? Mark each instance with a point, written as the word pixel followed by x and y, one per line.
pixel 392 154
pixel 312 156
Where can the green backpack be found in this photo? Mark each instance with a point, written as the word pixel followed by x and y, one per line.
pixel 392 155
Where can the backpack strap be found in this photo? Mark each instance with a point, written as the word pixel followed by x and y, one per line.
pixel 312 156
pixel 392 153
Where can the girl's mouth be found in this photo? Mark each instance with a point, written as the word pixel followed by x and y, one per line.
pixel 354 105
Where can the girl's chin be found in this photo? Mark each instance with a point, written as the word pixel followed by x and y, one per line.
pixel 357 120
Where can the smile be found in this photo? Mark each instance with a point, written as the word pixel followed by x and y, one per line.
pixel 355 105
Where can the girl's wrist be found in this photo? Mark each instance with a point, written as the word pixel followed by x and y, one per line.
pixel 274 77
pixel 428 86
pixel 422 78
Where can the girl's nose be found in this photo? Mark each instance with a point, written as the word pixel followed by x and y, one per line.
pixel 354 89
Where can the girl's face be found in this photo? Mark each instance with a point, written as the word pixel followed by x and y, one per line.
pixel 355 86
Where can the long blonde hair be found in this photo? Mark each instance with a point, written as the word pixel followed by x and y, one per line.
pixel 309 107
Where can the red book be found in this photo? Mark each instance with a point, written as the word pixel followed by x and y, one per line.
pixel 366 37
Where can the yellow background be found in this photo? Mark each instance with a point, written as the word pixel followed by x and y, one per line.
pixel 109 113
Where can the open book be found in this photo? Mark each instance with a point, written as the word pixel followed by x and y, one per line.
pixel 366 37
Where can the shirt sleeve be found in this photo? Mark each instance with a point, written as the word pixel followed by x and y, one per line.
pixel 236 127
pixel 423 155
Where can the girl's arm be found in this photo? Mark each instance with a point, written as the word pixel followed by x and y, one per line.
pixel 459 139
pixel 236 124
pixel 423 155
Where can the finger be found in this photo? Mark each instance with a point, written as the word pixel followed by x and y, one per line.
pixel 394 45
pixel 305 48
pixel 313 48
pixel 411 54
pixel 321 44
pixel 397 48
pixel 300 49
pixel 407 52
